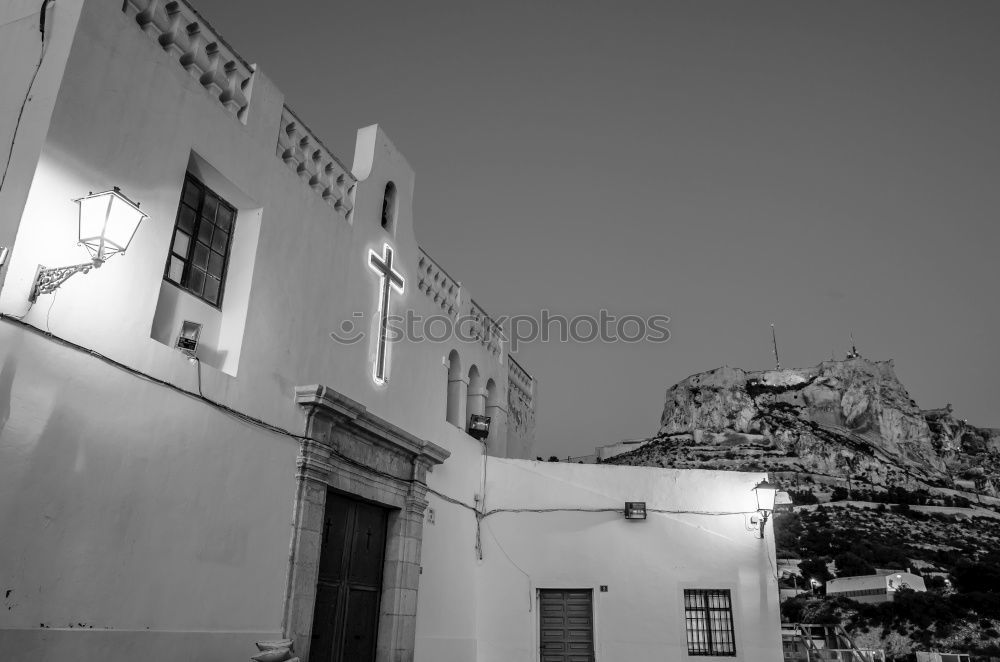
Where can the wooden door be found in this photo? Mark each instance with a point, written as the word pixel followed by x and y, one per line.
pixel 345 620
pixel 566 618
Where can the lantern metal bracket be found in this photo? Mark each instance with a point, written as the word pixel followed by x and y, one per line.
pixel 49 280
pixel 764 515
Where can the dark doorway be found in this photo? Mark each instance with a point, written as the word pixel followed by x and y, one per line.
pixel 345 621
pixel 567 625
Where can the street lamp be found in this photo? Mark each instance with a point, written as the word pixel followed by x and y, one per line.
pixel 107 223
pixel 765 492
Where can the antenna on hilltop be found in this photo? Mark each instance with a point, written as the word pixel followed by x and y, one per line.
pixel 774 339
pixel 854 350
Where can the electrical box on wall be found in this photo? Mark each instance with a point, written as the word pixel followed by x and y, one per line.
pixel 635 510
pixel 479 426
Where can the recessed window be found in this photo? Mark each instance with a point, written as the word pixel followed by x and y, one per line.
pixel 708 619
pixel 199 250
pixel 389 207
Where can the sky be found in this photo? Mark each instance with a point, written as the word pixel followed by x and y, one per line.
pixel 828 167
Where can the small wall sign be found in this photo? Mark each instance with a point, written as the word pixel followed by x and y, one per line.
pixel 635 510
pixel 187 340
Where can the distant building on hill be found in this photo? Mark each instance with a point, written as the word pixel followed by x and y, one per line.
pixel 618 448
pixel 880 587
pixel 783 502
pixel 942 657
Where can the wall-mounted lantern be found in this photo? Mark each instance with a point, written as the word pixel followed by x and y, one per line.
pixel 479 426
pixel 635 510
pixel 765 492
pixel 107 223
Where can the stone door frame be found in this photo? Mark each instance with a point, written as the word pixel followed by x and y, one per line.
pixel 361 455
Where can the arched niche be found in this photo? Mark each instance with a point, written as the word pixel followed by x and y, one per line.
pixel 389 208
pixel 476 401
pixel 457 383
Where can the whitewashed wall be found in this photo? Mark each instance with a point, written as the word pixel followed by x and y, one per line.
pixel 646 565
pixel 138 522
pixel 128 114
pixel 124 112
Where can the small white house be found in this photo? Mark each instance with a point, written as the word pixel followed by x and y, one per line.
pixel 880 587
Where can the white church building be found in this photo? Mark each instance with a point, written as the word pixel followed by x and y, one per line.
pixel 210 436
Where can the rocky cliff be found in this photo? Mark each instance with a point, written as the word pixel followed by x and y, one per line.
pixel 848 424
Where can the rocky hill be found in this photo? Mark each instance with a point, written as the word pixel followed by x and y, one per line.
pixel 848 424
pixel 876 482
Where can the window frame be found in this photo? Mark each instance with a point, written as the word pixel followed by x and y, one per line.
pixel 698 620
pixel 188 260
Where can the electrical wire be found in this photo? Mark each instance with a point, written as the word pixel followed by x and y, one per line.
pixel 662 511
pixel 31 304
pixel 482 505
pixel 49 311
pixel 27 93
pixel 225 409
pixel 197 362
pixel 531 595
pixel 445 497
pixel 774 571
pixel 258 423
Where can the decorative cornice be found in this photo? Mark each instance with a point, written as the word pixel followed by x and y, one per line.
pixel 486 330
pixel 315 164
pixel 438 286
pixel 182 31
pixel 520 383
pixel 355 418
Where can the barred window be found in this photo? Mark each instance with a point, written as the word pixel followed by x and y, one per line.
pixel 708 619
pixel 199 251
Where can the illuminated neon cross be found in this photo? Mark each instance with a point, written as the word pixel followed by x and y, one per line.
pixel 389 278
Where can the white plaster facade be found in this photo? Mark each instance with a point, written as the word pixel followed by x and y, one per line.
pixel 145 516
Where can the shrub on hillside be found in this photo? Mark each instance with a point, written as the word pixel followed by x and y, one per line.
pixel 850 564
pixel 802 497
pixel 971 577
pixel 815 568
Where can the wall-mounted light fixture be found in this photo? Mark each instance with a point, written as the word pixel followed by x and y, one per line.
pixel 187 339
pixel 479 426
pixel 108 222
pixel 765 492
pixel 635 510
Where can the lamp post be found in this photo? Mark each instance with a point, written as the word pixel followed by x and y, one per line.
pixel 107 223
pixel 765 492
